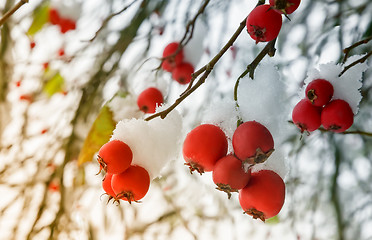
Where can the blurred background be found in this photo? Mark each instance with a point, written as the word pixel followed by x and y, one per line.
pixel 56 83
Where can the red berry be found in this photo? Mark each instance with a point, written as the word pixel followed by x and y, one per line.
pixel 203 146
pixel 263 197
pixel 115 156
pixel 182 73
pixel 285 6
pixel 306 116
pixel 131 185
pixel 45 65
pixel 264 23
pixel 54 17
pixel 61 52
pixel 66 25
pixel 319 92
pixel 337 116
pixel 169 62
pixel 229 174
pixel 32 44
pixel 26 97
pixel 106 185
pixel 252 142
pixel 149 99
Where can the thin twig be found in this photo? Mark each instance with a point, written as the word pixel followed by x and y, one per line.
pixel 12 11
pixel 360 60
pixel 107 19
pixel 348 49
pixel 206 70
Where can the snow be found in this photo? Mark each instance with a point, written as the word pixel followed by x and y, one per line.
pixel 347 87
pixel 124 107
pixel 264 100
pixel 154 143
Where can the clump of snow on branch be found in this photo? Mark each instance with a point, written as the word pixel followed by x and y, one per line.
pixel 264 100
pixel 154 143
pixel 347 86
pixel 124 107
pixel 194 49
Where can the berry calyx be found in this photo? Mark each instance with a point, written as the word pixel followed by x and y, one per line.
pixel 203 146
pixel 337 116
pixel 306 116
pixel 285 6
pixel 132 184
pixel 319 92
pixel 115 157
pixel 230 175
pixel 264 23
pixel 149 99
pixel 263 196
pixel 170 61
pixel 182 73
pixel 252 142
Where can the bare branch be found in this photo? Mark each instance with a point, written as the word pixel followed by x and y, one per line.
pixel 12 11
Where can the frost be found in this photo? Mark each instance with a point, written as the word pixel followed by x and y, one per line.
pixel 124 107
pixel 154 143
pixel 347 87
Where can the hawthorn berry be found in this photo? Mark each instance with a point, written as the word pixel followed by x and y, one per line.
pixel 61 52
pixel 182 73
pixel 66 25
pixel 285 6
pixel 252 142
pixel 106 185
pixel 319 92
pixel 132 184
pixel 170 61
pixel 32 44
pixel 115 156
pixel 337 116
pixel 263 196
pixel 203 146
pixel 230 175
pixel 306 116
pixel 264 23
pixel 149 99
pixel 54 17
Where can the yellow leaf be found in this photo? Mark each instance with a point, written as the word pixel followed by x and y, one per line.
pixel 40 17
pixel 98 135
pixel 54 85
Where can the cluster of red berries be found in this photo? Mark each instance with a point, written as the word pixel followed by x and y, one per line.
pixel 318 109
pixel 149 99
pixel 122 179
pixel 173 62
pixel 265 21
pixel 261 194
pixel 65 24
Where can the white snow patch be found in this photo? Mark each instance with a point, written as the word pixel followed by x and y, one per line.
pixel 154 143
pixel 194 49
pixel 264 100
